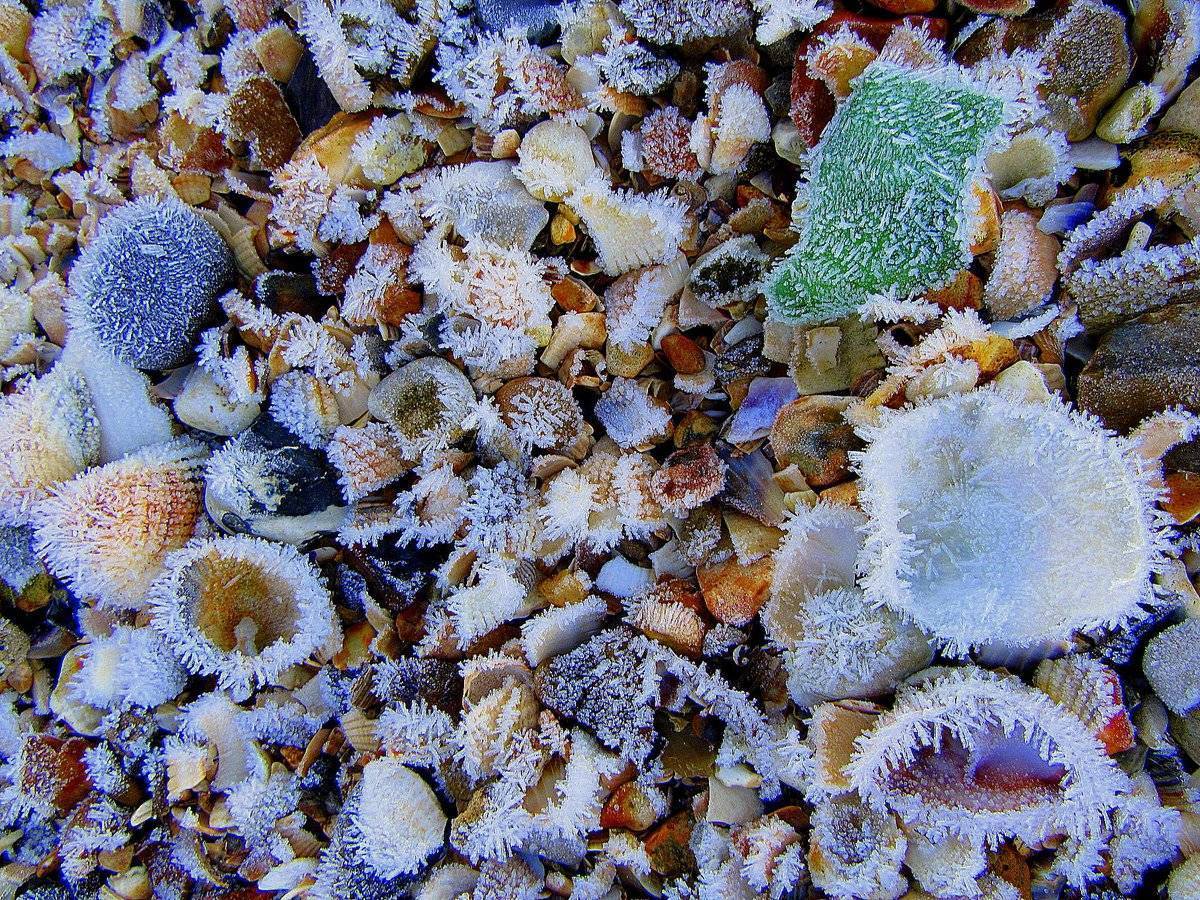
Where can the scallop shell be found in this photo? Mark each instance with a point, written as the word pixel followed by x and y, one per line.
pixel 1091 691
pixel 107 532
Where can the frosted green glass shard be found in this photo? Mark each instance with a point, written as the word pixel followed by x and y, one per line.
pixel 887 196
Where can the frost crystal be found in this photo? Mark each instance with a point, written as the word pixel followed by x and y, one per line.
pixel 494 598
pixel 978 541
pixel 680 21
pixel 396 822
pixel 629 229
pixel 886 207
pixel 780 18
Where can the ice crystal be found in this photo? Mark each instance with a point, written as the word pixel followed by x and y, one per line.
pixel 417 734
pixel 107 531
pixel 494 597
pixel 96 827
pixel 555 159
pixel 635 302
pixel 629 415
pixel 333 55
pixel 367 458
pixel 483 200
pixel 632 67
pixel 629 229
pixel 856 851
pixel 345 222
pixel 680 21
pixel 875 219
pixel 837 645
pixel 504 81
pixel 242 609
pixel 780 18
pixel 303 194
pixel 44 150
pixel 388 150
pixel 130 667
pixel 500 512
pixel 148 282
pixel 966 721
pixel 981 548
pixel 570 500
pixel 256 804
pixel 501 298
pixel 559 629
pixel 305 406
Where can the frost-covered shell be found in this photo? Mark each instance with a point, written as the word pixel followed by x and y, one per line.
pixel 366 458
pixel 243 609
pixel 148 282
pixel 628 229
pixel 856 851
pixel 426 401
pixel 395 821
pixel 981 756
pixel 265 482
pixel 976 505
pixel 1092 692
pixel 107 532
pixel 555 159
pixel 205 405
pixel 542 413
pixel 48 434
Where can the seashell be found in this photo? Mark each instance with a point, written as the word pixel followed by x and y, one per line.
pixel 306 406
pixel 750 488
pixel 542 413
pixel 65 701
pixel 688 478
pixel 728 272
pixel 204 405
pixel 832 358
pixel 50 773
pixel 731 804
pixel 360 731
pixel 107 532
pixel 366 458
pixel 48 434
pixel 555 159
pixel 395 821
pixel 278 51
pixel 855 850
pixel 562 628
pixel 942 759
pixel 263 482
pixel 1092 692
pixel 661 146
pixel 243 609
pixel 947 595
pixel 144 306
pixel 258 114
pixel 1026 268
pixel 425 401
pixel 1184 881
pixel 1167 662
pixel 613 217
pixel 668 612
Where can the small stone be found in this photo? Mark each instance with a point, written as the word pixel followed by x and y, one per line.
pixel 812 434
pixel 1172 665
pixel 629 806
pixel 734 593
pixel 1144 366
pixel 684 354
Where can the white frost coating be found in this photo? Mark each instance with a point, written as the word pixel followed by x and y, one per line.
pixel 396 823
pixel 930 759
pixel 496 597
pixel 129 419
pixel 976 503
pixel 779 18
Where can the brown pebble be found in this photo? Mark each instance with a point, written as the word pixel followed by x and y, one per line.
pixel 684 354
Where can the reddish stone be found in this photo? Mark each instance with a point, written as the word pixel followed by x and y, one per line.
pixel 812 104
